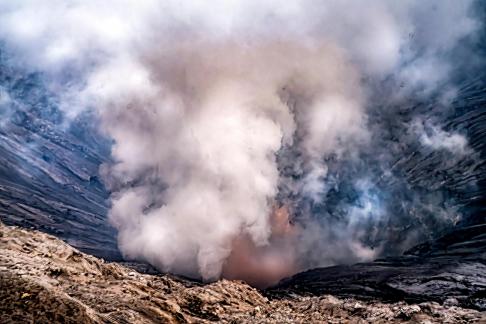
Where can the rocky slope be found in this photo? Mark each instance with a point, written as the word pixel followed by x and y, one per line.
pixel 49 169
pixel 449 270
pixel 45 280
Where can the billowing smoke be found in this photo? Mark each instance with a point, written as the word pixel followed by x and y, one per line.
pixel 234 123
pixel 198 146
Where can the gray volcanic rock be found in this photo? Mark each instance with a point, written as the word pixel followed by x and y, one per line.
pixel 45 280
pixel 49 169
pixel 451 269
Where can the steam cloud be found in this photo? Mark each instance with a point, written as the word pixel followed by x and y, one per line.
pixel 230 119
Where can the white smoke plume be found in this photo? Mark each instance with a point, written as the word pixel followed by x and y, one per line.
pixel 200 98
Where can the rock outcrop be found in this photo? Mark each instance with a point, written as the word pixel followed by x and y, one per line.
pixel 44 280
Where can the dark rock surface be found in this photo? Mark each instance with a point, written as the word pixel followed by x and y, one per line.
pixel 451 270
pixel 49 169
